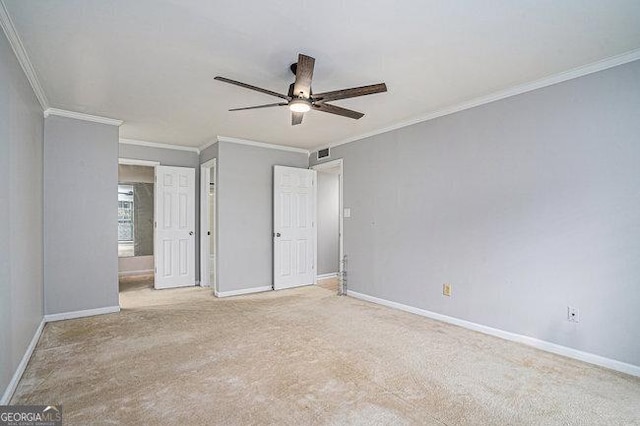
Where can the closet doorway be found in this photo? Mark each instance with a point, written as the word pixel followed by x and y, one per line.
pixel 208 225
pixel 329 224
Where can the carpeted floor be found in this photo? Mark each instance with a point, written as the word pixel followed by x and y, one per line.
pixel 305 356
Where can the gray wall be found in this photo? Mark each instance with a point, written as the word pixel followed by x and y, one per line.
pixel 143 209
pixel 80 215
pixel 245 213
pixel 328 222
pixel 21 275
pixel 209 153
pixel 170 157
pixel 525 205
pixel 131 173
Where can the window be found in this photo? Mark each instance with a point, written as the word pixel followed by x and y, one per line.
pixel 125 220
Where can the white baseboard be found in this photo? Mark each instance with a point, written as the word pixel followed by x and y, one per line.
pixel 243 291
pixel 612 364
pixel 133 273
pixel 11 388
pixel 81 314
pixel 325 276
pixel 17 375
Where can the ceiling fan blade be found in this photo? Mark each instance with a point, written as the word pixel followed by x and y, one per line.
pixel 259 106
pixel 248 86
pixel 332 109
pixel 350 93
pixel 296 118
pixel 304 74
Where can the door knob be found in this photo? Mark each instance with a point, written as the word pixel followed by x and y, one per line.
pixel 190 232
pixel 277 234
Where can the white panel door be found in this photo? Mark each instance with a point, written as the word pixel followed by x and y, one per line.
pixel 294 228
pixel 174 247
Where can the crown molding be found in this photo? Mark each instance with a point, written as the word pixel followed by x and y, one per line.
pixel 262 144
pixel 21 55
pixel 82 116
pixel 134 162
pixel 159 145
pixel 571 74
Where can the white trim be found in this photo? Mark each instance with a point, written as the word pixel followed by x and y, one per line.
pixel 205 247
pixel 571 74
pixel 82 116
pixel 159 145
pixel 134 162
pixel 17 375
pixel 80 314
pixel 209 163
pixel 243 291
pixel 590 358
pixel 137 272
pixel 262 144
pixel 21 55
pixel 325 276
pixel 330 165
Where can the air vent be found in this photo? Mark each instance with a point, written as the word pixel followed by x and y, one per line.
pixel 323 153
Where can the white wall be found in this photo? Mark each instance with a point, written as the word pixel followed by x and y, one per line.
pixel 328 221
pixel 80 215
pixel 525 205
pixel 21 192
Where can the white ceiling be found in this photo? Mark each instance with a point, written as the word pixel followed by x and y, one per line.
pixel 151 63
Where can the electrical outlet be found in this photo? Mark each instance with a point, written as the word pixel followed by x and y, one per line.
pixel 573 314
pixel 446 289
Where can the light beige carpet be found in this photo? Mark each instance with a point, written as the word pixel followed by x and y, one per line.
pixel 331 284
pixel 305 356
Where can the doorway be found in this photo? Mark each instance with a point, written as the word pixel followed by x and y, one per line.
pixel 208 224
pixel 330 224
pixel 294 227
pixel 135 224
pixel 175 227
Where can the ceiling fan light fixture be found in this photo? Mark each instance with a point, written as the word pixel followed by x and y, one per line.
pixel 299 98
pixel 300 105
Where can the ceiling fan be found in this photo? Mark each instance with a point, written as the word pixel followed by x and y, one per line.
pixel 301 99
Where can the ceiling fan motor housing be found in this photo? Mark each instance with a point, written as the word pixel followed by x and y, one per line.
pixel 301 99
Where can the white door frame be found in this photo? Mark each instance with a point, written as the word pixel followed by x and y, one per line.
pixel 205 252
pixel 330 165
pixel 134 162
pixel 146 163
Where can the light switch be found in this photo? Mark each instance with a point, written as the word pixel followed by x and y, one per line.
pixel 347 212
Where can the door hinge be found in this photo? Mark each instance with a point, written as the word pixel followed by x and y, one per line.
pixel 155 270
